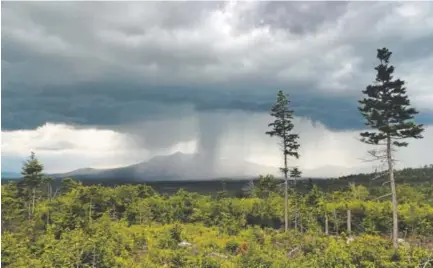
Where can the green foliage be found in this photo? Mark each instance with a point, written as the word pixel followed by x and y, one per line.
pixel 266 186
pixel 232 246
pixel 133 226
pixel 32 172
pixel 176 233
pixel 387 110
pixel 295 173
pixel 68 184
pixel 207 262
pixel 283 126
pixel 386 107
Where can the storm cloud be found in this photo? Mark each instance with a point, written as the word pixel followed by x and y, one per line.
pixel 166 73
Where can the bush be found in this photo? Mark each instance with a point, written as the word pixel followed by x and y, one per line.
pixel 208 262
pixel 232 246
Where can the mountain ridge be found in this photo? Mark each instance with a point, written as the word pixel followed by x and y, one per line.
pixel 10 175
pixel 181 167
pixel 177 166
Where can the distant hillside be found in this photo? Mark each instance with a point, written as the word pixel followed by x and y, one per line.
pixel 175 167
pixel 10 175
pixel 406 175
pixel 413 176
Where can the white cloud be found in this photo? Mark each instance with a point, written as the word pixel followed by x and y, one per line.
pixel 323 152
pixel 64 148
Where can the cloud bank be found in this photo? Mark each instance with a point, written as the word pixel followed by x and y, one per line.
pixel 324 152
pixel 108 63
pixel 140 78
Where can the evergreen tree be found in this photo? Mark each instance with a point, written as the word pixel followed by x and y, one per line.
pixel 32 178
pixel 248 190
pixel 47 181
pixel 387 110
pixel 310 185
pixel 266 186
pixel 282 128
pixel 295 173
pixel 68 184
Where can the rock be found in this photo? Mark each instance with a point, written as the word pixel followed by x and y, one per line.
pixel 184 244
pixel 293 253
pixel 403 243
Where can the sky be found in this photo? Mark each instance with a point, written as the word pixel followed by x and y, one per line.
pixel 109 84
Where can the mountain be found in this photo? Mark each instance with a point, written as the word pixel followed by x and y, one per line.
pixel 334 171
pixel 10 175
pixel 175 167
pixel 78 172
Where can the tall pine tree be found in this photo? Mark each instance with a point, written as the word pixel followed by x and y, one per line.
pixel 33 178
pixel 282 128
pixel 387 110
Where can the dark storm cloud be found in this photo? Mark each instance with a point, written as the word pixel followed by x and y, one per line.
pixel 108 105
pixel 111 64
pixel 294 17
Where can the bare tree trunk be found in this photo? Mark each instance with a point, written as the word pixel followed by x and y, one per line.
pixel 394 194
pixel 29 209
pixel 114 212
pixel 33 200
pixel 296 206
pixel 50 191
pixel 286 198
pixel 349 221
pixel 141 221
pixel 301 226
pixel 90 212
pixel 326 225
pixel 94 257
pixel 286 186
pixel 49 200
pixel 336 221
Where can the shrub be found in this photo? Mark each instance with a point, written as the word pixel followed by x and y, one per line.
pixel 232 246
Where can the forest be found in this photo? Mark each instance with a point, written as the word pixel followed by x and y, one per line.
pixel 383 219
pixel 135 226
